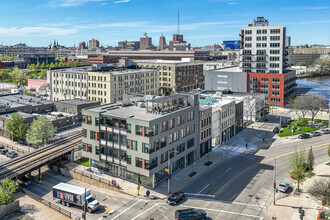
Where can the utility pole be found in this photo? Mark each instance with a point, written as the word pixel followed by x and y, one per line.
pixel 274 182
pixel 169 173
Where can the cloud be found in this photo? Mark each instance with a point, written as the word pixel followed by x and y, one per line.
pixel 307 8
pixel 122 1
pixel 71 3
pixel 232 3
pixel 35 31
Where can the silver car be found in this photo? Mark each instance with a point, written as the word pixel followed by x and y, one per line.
pixel 315 133
pixel 325 131
pixel 283 187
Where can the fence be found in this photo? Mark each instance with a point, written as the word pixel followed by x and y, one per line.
pixel 47 203
pixel 7 209
pixel 16 148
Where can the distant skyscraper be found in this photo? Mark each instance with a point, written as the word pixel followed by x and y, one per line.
pixel 145 42
pixel 162 42
pixel 287 41
pixel 82 45
pixel 93 44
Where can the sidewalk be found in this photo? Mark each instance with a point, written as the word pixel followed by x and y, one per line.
pixel 287 208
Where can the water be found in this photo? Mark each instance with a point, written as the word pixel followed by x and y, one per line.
pixel 319 85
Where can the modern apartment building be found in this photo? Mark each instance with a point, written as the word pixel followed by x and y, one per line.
pixel 110 86
pixel 262 47
pixel 136 141
pixel 176 76
pixel 69 83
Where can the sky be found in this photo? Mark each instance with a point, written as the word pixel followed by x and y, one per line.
pixel 202 22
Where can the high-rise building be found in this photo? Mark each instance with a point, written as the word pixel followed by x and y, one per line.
pixel 93 44
pixel 82 45
pixel 137 142
pixel 162 42
pixel 262 47
pixel 145 42
pixel 287 41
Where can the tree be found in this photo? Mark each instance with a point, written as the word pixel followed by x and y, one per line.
pixel 7 189
pixel 320 189
pixel 302 64
pixel 17 76
pixel 323 64
pixel 43 74
pixel 41 130
pixel 6 58
pixel 15 126
pixel 43 65
pixel 5 74
pixel 312 103
pixel 297 163
pixel 310 159
pixel 299 105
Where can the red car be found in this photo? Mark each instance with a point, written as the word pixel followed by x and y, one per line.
pixel 293 174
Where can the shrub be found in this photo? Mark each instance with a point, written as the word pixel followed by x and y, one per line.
pixel 302 122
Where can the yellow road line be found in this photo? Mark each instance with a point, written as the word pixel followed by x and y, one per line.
pixel 265 160
pixel 288 153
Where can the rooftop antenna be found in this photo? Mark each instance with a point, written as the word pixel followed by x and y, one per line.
pixel 178 30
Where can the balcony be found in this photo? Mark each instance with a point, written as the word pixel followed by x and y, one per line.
pixel 123 163
pixel 103 157
pixel 103 142
pixel 115 145
pixel 103 128
pixel 115 160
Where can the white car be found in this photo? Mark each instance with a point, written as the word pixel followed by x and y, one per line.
pixel 283 187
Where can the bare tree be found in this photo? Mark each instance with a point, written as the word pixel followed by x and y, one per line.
pixel 320 189
pixel 312 103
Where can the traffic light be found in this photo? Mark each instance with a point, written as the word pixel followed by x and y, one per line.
pixel 301 212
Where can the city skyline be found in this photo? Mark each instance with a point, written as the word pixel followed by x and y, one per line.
pixel 201 22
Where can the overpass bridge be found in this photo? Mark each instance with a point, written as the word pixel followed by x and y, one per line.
pixel 24 164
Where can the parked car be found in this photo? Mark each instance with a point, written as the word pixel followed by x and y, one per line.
pixel 304 136
pixel 24 181
pixel 3 151
pixel 12 154
pixel 315 133
pixel 175 198
pixel 2 147
pixel 190 214
pixel 283 187
pixel 325 131
pixel 276 130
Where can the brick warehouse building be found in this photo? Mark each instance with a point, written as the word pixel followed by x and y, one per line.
pixel 276 87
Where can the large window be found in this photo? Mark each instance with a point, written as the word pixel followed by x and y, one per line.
pixel 276 87
pixel 84 132
pixel 138 130
pixel 275 93
pixel 163 142
pixel 145 148
pixel 129 128
pixel 190 143
pixel 138 162
pixel 132 145
pixel 264 79
pixel 89 120
pixel 92 135
pixel 276 80
pixel 153 163
pixel 89 148
pixel 129 159
pixel 275 31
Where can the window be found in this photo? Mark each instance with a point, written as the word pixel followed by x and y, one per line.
pixel 92 135
pixel 274 65
pixel 129 159
pixel 273 38
pixel 275 93
pixel 145 148
pixel 259 38
pixel 258 31
pixel 264 79
pixel 89 148
pixel 247 52
pixel 276 87
pixel 97 121
pixel 275 99
pixel 274 58
pixel 276 80
pixel 138 162
pixel 264 38
pixel 133 145
pixel 274 52
pixel 180 148
pixel 190 143
pixel 264 92
pixel 138 130
pixel 248 38
pixel 129 128
pixel 153 163
pixel 274 44
pixel 191 116
pixel 162 142
pixel 275 31
pixel 248 45
pixel 84 133
pixel 248 31
pixel 89 120
pixel 264 86
pixel 264 31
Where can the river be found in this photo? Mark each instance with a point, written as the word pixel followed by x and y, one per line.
pixel 320 85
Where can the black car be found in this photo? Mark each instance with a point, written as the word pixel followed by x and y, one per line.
pixel 3 151
pixel 276 130
pixel 24 181
pixel 11 154
pixel 2 147
pixel 304 136
pixel 190 214
pixel 175 198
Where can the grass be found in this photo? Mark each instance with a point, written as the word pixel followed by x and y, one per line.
pixel 85 163
pixel 286 132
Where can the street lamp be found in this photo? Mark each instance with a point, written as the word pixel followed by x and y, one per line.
pixel 169 170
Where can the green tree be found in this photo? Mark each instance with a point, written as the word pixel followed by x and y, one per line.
pixel 6 58
pixel 7 189
pixel 52 65
pixel 297 163
pixel 310 159
pixel 17 76
pixel 41 130
pixel 43 74
pixel 329 150
pixel 38 66
pixel 15 126
pixel 302 64
pixel 5 74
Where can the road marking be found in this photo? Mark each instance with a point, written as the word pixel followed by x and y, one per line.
pixel 147 210
pixel 216 210
pixel 195 194
pixel 263 161
pixel 228 169
pixel 230 202
pixel 292 152
pixel 127 209
pixel 233 197
pixel 203 188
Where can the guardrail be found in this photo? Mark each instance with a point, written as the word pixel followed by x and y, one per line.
pixel 47 203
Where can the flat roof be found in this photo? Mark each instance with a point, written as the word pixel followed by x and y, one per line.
pixel 71 188
pixel 23 114
pixel 175 62
pixel 76 102
pixel 227 69
pixel 15 101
